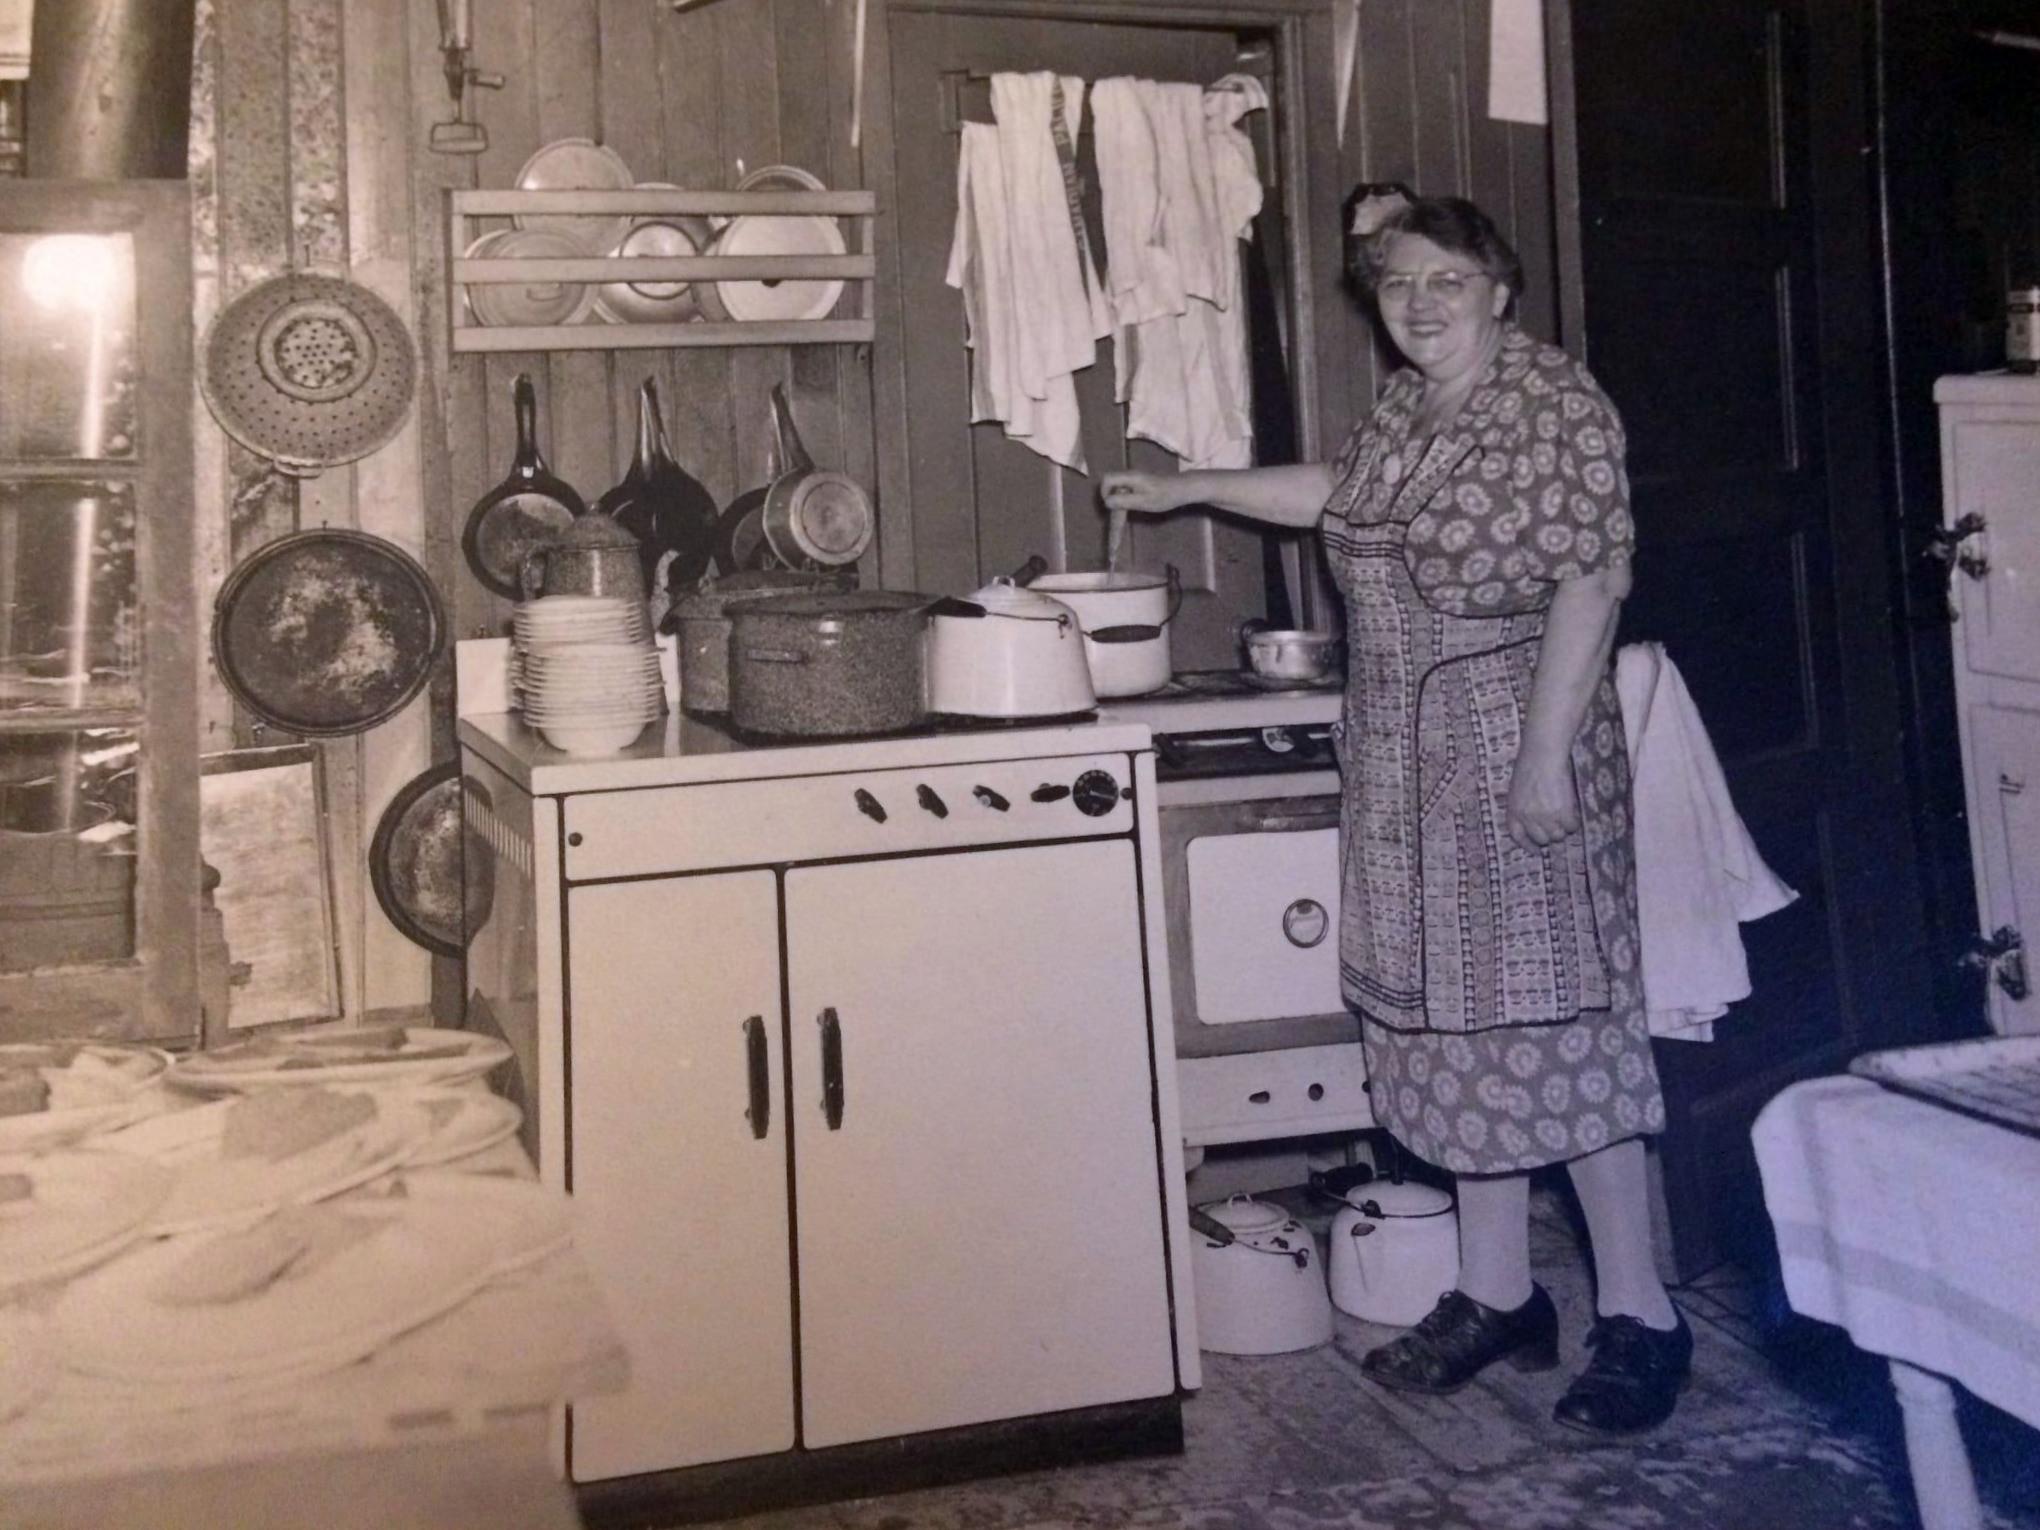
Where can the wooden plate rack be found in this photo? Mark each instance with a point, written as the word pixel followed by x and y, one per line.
pixel 468 211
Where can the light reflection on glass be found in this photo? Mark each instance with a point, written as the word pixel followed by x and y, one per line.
pixel 67 334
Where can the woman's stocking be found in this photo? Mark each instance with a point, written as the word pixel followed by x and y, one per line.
pixel 1614 1193
pixel 1494 1239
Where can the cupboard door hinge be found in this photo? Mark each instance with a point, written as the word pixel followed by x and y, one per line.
pixel 2002 955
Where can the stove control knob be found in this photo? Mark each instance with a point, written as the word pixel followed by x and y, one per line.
pixel 1278 740
pixel 990 798
pixel 869 805
pixel 925 795
pixel 1048 791
pixel 1096 793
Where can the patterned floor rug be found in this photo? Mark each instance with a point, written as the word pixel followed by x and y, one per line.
pixel 1304 1442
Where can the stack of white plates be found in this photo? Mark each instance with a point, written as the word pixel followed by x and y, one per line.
pixel 586 673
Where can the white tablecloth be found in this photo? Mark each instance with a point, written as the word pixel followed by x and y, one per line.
pixel 1913 1227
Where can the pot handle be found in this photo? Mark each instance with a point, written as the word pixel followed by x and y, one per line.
pixel 1145 632
pixel 774 656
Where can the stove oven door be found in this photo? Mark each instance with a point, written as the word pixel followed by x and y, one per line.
pixel 1253 902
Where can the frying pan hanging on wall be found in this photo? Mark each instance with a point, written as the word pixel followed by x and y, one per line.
pixel 309 371
pixel 327 632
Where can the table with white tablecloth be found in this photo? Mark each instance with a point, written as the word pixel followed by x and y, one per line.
pixel 1915 1228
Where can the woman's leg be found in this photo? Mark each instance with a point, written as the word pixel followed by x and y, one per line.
pixel 1494 1239
pixel 1614 1191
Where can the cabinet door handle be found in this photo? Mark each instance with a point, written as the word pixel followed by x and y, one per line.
pixel 759 1112
pixel 832 1069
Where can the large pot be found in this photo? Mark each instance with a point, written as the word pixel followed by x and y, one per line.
pixel 1007 652
pixel 1125 617
pixel 700 622
pixel 829 665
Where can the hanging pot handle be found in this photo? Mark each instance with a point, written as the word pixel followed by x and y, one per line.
pixel 793 455
pixel 531 573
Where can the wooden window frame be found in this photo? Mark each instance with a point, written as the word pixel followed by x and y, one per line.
pixel 153 994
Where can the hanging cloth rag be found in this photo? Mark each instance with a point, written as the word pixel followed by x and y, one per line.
pixel 1033 304
pixel 1180 189
pixel 1698 873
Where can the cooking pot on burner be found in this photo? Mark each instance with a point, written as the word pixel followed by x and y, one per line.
pixel 1007 652
pixel 1125 617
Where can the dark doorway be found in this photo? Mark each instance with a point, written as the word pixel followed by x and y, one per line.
pixel 1731 306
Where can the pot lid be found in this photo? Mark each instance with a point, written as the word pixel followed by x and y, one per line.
pixel 1002 597
pixel 1385 1200
pixel 836 603
pixel 592 532
pixel 1245 1217
pixel 714 598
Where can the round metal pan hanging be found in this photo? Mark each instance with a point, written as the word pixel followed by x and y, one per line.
pixel 434 878
pixel 309 371
pixel 327 632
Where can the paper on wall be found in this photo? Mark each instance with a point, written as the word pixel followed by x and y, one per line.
pixel 1516 89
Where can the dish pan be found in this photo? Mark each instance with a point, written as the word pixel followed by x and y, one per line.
pixel 528 303
pixel 352 1055
pixel 327 632
pixel 577 164
pixel 1994 1078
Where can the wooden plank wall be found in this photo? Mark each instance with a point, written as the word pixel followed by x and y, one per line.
pixel 311 119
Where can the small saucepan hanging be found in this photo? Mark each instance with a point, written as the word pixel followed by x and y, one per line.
pixel 327 632
pixel 309 371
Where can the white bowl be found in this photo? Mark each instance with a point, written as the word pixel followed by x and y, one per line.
pixel 594 738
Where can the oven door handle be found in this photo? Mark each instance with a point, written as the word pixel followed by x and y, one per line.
pixel 1277 823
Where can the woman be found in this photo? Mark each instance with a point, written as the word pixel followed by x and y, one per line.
pixel 1477 525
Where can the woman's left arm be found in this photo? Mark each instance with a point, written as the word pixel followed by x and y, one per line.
pixel 1579 635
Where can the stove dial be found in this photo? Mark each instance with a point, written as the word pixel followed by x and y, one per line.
pixel 990 798
pixel 926 796
pixel 869 805
pixel 1049 791
pixel 1095 793
pixel 1278 740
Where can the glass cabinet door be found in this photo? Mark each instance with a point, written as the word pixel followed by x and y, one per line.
pixel 98 681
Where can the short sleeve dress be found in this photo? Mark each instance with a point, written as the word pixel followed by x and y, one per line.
pixel 1498 987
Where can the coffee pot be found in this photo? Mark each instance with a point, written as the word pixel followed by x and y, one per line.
pixel 593 556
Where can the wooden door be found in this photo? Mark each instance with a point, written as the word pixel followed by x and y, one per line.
pixel 1724 252
pixel 677 1172
pixel 982 504
pixel 980 1228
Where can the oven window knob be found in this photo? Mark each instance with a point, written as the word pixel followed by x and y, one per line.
pixel 990 798
pixel 1096 793
pixel 925 795
pixel 1305 922
pixel 1048 791
pixel 869 805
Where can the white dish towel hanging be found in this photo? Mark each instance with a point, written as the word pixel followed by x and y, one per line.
pixel 1032 302
pixel 1698 873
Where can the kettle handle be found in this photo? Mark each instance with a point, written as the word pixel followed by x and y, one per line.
pixel 531 573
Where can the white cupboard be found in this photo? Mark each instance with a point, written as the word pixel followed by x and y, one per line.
pixel 1990 536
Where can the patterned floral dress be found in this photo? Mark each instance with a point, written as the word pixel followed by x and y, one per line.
pixel 1498 987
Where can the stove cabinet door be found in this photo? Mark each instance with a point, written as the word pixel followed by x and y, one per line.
pixel 980 1211
pixel 677 1163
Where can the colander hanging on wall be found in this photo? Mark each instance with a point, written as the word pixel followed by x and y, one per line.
pixel 309 371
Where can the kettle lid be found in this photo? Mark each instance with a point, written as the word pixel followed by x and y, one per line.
pixel 594 531
pixel 1002 597
pixel 1385 1200
pixel 1245 1217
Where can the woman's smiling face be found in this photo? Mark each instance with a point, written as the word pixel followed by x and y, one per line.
pixel 1442 310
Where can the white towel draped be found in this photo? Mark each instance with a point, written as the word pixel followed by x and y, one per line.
pixel 1698 873
pixel 1032 301
pixel 1179 187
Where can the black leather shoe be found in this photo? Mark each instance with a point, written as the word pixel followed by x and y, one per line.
pixel 1460 1337
pixel 1633 1379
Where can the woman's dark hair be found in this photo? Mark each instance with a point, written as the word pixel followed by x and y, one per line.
pixel 1451 223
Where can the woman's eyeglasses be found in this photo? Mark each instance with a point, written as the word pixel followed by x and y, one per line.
pixel 1398 288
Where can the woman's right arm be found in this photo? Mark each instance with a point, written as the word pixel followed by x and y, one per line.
pixel 1293 495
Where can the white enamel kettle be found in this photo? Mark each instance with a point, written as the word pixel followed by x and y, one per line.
pixel 1260 1287
pixel 1394 1252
